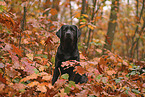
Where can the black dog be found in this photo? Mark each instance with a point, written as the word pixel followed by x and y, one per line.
pixel 68 50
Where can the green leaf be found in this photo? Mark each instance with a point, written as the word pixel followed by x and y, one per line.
pixel 121 77
pixel 16 80
pixel 45 56
pixel 67 89
pixel 36 71
pixel 46 66
pixel 117 80
pixel 22 90
pixel 28 81
pixel 104 79
pixel 99 76
pixel 65 76
pixel 41 55
pixel 37 55
pixel 92 96
pixel 1 8
pixel 53 59
pixel 127 89
pixel 133 73
pixel 135 91
pixel 71 83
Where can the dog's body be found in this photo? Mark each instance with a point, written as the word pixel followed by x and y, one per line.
pixel 68 50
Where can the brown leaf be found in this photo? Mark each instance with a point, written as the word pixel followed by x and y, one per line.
pixel 41 87
pixel 108 39
pixel 17 50
pixel 6 20
pixel 33 76
pixel 80 70
pixel 48 77
pixel 19 86
pixel 49 41
pixel 32 84
pixel 82 56
pixel 110 72
pixel 53 11
pixel 99 69
pixel 2 86
pixel 2 79
pixel 12 72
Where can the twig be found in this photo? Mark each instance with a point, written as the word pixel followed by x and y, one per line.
pixel 22 25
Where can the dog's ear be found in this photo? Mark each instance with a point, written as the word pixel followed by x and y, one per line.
pixel 58 33
pixel 78 31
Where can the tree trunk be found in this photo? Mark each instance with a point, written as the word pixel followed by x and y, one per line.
pixel 70 12
pixel 111 25
pixel 135 41
pixel 90 30
pixel 82 12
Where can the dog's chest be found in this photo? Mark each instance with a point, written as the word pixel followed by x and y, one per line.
pixel 69 56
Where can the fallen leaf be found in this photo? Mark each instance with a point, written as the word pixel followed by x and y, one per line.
pixel 110 72
pixel 48 77
pixel 30 56
pixel 17 50
pixel 32 84
pixel 41 87
pixel 80 70
pixel 1 65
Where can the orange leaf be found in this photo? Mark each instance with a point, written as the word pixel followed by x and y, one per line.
pixel 49 85
pixel 108 39
pixel 110 72
pixel 98 17
pixel 77 15
pixel 80 70
pixel 114 21
pixel 7 20
pixel 82 56
pixel 32 84
pixel 82 26
pixel 52 28
pixel 2 79
pixel 53 11
pixel 85 15
pixel 91 27
pixel 17 50
pixel 41 87
pixel 33 76
pixel 48 77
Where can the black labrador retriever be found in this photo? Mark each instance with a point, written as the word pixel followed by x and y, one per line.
pixel 67 50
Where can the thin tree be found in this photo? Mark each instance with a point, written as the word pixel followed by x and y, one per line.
pixel 111 25
pixel 135 41
pixel 92 17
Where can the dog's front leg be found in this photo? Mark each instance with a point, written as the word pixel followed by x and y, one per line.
pixel 55 75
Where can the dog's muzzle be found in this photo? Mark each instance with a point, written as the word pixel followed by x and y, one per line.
pixel 69 35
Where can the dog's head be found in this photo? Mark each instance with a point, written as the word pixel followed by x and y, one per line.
pixel 69 33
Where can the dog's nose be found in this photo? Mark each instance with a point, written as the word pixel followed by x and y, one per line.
pixel 68 34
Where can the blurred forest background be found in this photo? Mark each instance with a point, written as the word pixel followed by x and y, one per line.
pixel 112 47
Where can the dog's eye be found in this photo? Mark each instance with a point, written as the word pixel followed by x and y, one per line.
pixel 65 29
pixel 72 29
